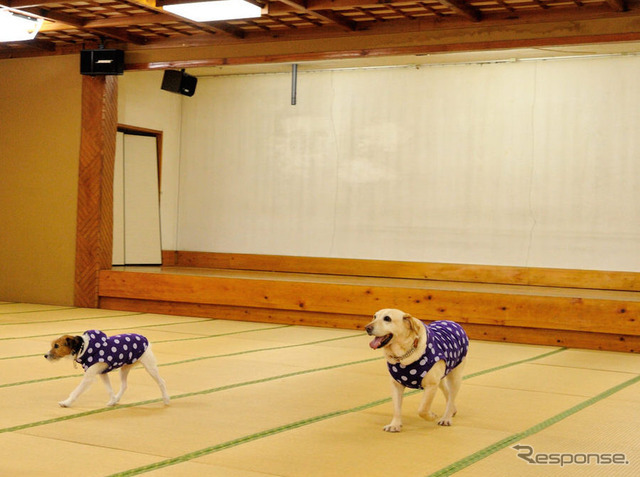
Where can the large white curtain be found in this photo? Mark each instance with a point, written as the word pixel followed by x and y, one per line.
pixel 524 163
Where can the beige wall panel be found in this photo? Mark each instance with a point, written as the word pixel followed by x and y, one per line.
pixel 39 145
pixel 142 103
pixel 118 203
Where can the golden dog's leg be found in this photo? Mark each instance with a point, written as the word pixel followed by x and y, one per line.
pixel 450 385
pixel 430 384
pixel 397 393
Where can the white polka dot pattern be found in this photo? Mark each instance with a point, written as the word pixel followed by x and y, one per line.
pixel 447 342
pixel 116 350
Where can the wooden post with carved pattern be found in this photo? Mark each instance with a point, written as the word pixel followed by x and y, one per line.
pixel 94 232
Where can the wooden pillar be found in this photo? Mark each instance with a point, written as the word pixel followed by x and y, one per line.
pixel 94 230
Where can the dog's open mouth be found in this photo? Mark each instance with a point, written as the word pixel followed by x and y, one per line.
pixel 380 341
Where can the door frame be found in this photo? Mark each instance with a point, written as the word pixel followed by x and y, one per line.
pixel 130 130
pixel 139 131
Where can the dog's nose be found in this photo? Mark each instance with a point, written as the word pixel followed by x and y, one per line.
pixel 369 329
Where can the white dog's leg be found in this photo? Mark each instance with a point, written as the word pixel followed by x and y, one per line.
pixel 89 375
pixel 450 385
pixel 124 372
pixel 430 384
pixel 397 393
pixel 148 360
pixel 107 384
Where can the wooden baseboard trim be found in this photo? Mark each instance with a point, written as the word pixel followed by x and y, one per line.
pixel 571 339
pixel 504 309
pixel 169 258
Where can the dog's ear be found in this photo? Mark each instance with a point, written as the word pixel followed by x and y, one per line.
pixel 74 342
pixel 412 323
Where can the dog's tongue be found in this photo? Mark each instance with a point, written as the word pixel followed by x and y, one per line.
pixel 377 341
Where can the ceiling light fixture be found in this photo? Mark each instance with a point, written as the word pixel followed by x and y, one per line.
pixel 211 11
pixel 15 26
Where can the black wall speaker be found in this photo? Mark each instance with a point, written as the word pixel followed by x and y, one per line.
pixel 179 82
pixel 101 62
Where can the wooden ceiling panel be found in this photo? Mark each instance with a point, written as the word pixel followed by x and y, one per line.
pixel 141 24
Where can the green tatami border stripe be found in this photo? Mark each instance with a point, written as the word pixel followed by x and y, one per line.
pixel 243 440
pixel 522 361
pixel 17 323
pixel 259 350
pixel 228 333
pixel 287 427
pixel 231 386
pixel 61 308
pixel 173 340
pixel 493 448
pixel 201 358
pixel 199 320
pixel 182 396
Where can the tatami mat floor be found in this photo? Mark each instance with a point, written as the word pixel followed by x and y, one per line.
pixel 255 400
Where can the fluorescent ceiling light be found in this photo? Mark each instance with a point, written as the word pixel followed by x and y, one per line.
pixel 17 27
pixel 215 10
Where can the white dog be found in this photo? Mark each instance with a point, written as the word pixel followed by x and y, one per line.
pixel 99 354
pixel 420 357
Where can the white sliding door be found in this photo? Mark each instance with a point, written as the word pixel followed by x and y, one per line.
pixel 136 206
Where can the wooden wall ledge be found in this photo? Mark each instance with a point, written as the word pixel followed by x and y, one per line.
pixel 584 318
pixel 546 277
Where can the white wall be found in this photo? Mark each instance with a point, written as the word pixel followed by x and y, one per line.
pixel 525 164
pixel 142 103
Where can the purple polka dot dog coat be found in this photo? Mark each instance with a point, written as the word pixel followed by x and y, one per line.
pixel 116 350
pixel 446 341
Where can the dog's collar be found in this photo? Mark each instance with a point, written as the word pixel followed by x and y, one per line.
pixel 408 353
pixel 80 352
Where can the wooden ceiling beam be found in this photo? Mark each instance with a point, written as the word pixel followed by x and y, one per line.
pixel 417 50
pixel 43 44
pixel 285 6
pixel 323 6
pixel 22 4
pixel 148 18
pixel 290 5
pixel 617 5
pixel 333 4
pixel 106 32
pixel 119 34
pixel 55 16
pixel 462 8
pixel 116 22
pixel 330 15
pixel 300 6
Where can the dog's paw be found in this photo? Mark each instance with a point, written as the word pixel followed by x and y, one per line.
pixel 166 400
pixel 112 403
pixel 392 428
pixel 445 422
pixel 66 403
pixel 428 416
